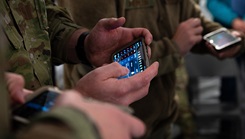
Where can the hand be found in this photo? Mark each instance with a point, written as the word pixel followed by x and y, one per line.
pixel 108 36
pixel 105 116
pixel 228 52
pixel 15 85
pixel 103 84
pixel 188 34
pixel 239 25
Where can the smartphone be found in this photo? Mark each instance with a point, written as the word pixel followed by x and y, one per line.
pixel 40 101
pixel 134 56
pixel 221 39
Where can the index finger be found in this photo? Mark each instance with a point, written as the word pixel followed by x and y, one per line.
pixel 196 22
pixel 237 33
pixel 111 23
pixel 143 32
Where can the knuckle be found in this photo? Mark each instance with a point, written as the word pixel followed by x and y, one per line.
pixel 19 78
pixel 123 91
pixel 144 81
pixel 116 64
pixel 192 41
pixel 201 29
pixel 96 72
pixel 183 25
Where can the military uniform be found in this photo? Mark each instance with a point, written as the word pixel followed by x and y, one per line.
pixel 185 119
pixel 35 32
pixel 162 17
pixel 70 123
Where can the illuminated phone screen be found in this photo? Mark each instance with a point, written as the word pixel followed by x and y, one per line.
pixel 221 38
pixel 133 57
pixel 41 103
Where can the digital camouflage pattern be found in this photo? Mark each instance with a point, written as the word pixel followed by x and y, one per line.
pixel 26 30
pixel 185 119
pixel 60 123
pixel 31 31
pixel 29 53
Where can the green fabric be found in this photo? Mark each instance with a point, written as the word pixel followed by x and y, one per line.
pixel 30 50
pixel 32 27
pixel 4 95
pixel 60 29
pixel 76 124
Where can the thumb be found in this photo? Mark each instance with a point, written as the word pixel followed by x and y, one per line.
pixel 114 70
pixel 18 96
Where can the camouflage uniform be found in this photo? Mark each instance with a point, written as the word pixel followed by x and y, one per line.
pixel 185 119
pixel 162 17
pixel 30 28
pixel 68 122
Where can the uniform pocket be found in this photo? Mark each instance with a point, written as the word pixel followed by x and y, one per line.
pixel 41 14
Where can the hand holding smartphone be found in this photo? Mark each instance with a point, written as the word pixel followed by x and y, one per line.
pixel 133 56
pixel 40 101
pixel 221 39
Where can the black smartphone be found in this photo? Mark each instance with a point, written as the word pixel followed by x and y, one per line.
pixel 40 101
pixel 134 56
pixel 221 39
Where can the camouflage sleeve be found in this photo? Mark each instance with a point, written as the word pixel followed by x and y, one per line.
pixel 62 123
pixel 61 27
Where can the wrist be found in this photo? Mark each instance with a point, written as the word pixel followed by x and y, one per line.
pixel 80 51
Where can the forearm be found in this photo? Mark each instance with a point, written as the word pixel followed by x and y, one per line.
pixel 64 34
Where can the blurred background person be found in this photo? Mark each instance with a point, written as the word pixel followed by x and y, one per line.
pixel 235 19
pixel 231 14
